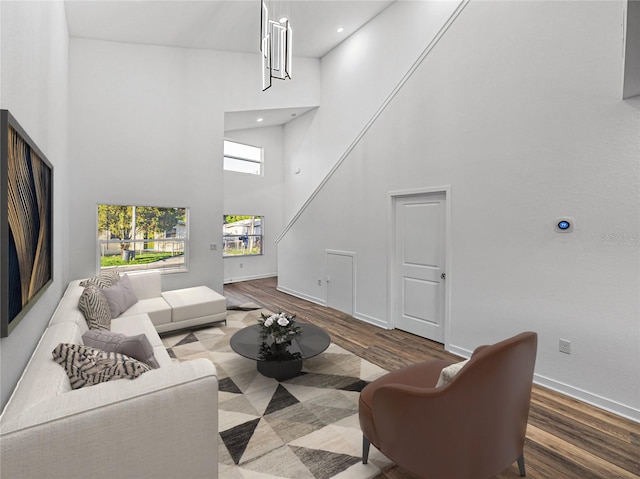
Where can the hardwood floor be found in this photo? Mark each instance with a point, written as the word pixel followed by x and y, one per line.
pixel 565 437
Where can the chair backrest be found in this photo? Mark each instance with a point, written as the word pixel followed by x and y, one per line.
pixel 474 427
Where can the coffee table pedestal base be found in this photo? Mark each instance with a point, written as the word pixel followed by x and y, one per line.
pixel 280 370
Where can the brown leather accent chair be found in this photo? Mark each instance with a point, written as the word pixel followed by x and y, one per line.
pixel 471 428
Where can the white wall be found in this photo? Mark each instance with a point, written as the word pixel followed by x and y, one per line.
pixel 147 128
pixel 356 78
pixel 632 50
pixel 242 84
pixel 517 108
pixel 259 196
pixel 33 87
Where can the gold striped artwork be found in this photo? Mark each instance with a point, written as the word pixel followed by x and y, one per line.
pixel 29 217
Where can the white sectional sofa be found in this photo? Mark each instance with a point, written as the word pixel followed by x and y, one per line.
pixel 163 424
pixel 171 310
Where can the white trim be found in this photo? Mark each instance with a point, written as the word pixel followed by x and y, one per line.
pixel 241 158
pixel 596 400
pixel 393 197
pixel 311 299
pixel 369 124
pixel 380 323
pixel 458 351
pixel 249 278
pixel 340 252
pixel 352 255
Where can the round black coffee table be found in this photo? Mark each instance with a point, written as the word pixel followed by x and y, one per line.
pixel 280 361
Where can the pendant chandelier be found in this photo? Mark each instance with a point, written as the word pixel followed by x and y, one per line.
pixel 275 46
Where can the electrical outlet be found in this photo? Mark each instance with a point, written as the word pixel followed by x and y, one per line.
pixel 241 265
pixel 565 346
pixel 213 247
pixel 319 282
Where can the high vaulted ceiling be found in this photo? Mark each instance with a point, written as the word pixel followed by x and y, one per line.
pixel 229 25
pixel 232 25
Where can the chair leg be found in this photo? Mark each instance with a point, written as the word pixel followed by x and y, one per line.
pixel 521 465
pixel 365 449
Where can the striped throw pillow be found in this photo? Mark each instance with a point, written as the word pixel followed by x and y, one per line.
pixel 95 308
pixel 87 366
pixel 104 279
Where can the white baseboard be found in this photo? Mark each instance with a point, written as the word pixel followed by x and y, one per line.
pixel 590 398
pixel 249 278
pixel 458 351
pixel 321 302
pixel 371 320
pixel 311 299
pixel 580 394
pixel 596 400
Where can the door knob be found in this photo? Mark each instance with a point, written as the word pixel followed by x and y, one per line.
pixel 443 276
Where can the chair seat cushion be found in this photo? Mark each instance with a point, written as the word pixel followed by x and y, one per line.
pixel 422 375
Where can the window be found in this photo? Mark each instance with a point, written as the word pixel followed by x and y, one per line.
pixel 132 238
pixel 242 158
pixel 242 235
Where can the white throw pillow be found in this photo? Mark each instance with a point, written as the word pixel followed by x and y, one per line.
pixel 448 373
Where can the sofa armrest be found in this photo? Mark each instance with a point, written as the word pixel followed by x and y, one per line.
pixel 162 424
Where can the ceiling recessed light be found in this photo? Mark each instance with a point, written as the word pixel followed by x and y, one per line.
pixel 259 120
pixel 340 29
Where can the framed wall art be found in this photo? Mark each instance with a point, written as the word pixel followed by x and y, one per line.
pixel 26 223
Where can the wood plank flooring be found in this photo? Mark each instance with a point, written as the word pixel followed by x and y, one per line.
pixel 565 438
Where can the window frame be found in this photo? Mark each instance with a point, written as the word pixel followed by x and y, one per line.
pixel 242 158
pixel 131 268
pixel 240 237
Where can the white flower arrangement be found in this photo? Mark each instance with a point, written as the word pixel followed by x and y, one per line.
pixel 281 326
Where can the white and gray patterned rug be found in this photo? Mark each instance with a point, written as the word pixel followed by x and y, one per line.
pixel 302 428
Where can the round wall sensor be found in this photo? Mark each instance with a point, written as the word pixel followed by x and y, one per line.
pixel 564 225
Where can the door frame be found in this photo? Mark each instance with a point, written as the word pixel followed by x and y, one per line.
pixel 352 255
pixel 393 295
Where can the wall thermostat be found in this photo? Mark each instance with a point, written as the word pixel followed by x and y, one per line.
pixel 564 225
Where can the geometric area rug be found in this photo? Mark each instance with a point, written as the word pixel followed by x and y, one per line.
pixel 302 428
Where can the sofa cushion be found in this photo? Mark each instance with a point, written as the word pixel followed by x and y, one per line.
pixel 134 325
pixel 146 284
pixel 87 366
pixel 140 324
pixel 95 308
pixel 136 347
pixel 448 373
pixel 120 296
pixel 43 378
pixel 157 308
pixel 196 302
pixel 104 279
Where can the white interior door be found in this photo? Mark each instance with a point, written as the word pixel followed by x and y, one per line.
pixel 340 281
pixel 419 264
